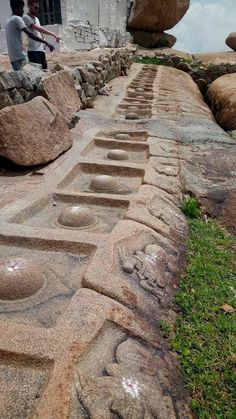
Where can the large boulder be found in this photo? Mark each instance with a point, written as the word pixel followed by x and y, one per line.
pixel 231 41
pixel 33 133
pixel 153 39
pixel 221 96
pixel 156 15
pixel 59 89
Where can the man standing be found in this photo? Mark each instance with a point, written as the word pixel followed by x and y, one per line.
pixel 36 53
pixel 14 27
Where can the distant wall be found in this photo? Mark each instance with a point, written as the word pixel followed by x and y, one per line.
pixel 86 24
pixel 5 12
pixel 3 43
pixel 101 13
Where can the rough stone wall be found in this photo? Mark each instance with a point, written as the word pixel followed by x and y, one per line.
pixel 88 24
pixel 87 37
pixel 90 78
pixel 213 71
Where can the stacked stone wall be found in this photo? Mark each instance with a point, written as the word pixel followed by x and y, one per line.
pixel 90 78
pixel 88 37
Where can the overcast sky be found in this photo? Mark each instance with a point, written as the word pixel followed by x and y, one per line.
pixel 206 25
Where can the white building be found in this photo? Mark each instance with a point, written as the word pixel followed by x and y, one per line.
pixel 83 24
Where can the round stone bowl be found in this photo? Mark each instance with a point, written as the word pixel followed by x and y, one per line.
pixel 20 278
pixel 104 183
pixel 117 154
pixel 122 137
pixel 131 116
pixel 76 217
pixel 140 90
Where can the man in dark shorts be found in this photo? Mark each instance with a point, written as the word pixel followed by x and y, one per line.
pixel 14 28
pixel 36 52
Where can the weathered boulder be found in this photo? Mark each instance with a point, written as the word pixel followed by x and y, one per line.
pixel 157 15
pixel 184 66
pixel 202 85
pixel 153 39
pixel 231 41
pixel 221 96
pixel 216 58
pixel 59 89
pixel 33 133
pixel 34 73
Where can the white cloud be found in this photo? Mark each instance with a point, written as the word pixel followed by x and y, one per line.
pixel 206 26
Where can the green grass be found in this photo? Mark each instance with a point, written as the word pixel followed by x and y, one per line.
pixel 190 207
pixel 164 61
pixel 148 60
pixel 204 335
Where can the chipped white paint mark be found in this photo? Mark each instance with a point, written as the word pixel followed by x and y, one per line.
pixel 131 387
pixel 152 257
pixel 13 267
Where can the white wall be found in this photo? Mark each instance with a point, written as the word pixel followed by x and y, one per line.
pixel 79 11
pixel 3 42
pixel 107 23
pixel 103 13
pixel 113 14
pixel 5 12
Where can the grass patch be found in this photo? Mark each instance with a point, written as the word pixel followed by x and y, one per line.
pixel 165 60
pixel 190 207
pixel 148 60
pixel 205 333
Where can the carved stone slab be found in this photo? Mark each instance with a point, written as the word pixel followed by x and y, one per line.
pixel 142 267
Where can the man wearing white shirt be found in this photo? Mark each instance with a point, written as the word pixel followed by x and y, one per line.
pixel 14 28
pixel 36 52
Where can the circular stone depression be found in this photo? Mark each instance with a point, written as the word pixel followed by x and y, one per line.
pixel 104 183
pixel 122 137
pixel 133 108
pixel 76 217
pixel 131 116
pixel 117 154
pixel 20 278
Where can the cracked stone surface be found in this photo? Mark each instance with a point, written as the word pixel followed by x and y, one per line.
pixel 85 338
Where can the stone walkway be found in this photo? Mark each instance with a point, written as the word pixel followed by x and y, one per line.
pixel 96 247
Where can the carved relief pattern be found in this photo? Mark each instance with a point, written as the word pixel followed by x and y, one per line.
pixel 131 389
pixel 151 266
